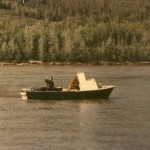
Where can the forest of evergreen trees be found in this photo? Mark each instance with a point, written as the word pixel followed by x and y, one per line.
pixel 75 30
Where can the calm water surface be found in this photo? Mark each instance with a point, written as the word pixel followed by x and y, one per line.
pixel 120 123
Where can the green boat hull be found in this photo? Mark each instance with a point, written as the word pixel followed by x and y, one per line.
pixel 101 93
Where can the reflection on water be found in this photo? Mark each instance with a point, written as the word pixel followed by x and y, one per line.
pixel 122 122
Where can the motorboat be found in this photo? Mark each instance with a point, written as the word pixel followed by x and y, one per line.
pixel 88 89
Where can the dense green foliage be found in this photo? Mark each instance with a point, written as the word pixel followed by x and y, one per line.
pixel 76 30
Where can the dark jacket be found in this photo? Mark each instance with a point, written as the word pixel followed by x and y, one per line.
pixel 50 84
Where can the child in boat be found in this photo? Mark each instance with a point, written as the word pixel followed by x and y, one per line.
pixel 74 83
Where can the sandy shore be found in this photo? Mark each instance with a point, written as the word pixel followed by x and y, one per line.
pixel 71 63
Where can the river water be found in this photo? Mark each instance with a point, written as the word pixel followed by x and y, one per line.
pixel 120 123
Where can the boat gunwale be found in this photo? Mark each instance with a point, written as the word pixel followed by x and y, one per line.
pixel 99 89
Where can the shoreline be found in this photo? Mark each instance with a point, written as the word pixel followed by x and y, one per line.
pixel 31 63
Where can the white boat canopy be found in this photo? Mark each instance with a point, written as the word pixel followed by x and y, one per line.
pixel 86 84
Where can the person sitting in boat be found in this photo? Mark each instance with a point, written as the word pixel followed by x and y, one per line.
pixel 50 83
pixel 74 83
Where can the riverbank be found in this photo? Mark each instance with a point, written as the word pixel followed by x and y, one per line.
pixel 73 63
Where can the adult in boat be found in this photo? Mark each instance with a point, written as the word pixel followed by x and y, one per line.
pixel 74 83
pixel 50 83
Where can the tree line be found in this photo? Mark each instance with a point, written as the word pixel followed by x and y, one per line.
pixel 75 31
pixel 97 10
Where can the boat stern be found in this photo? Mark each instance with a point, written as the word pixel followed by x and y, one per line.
pixel 23 94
